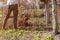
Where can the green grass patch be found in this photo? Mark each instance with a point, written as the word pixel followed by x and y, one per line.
pixel 48 37
pixel 12 34
pixel 36 37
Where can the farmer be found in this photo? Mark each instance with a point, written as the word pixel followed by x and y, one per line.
pixel 12 6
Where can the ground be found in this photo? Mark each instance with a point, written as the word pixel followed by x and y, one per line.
pixel 33 33
pixel 27 35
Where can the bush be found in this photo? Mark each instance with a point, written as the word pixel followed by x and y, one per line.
pixel 49 37
pixel 36 37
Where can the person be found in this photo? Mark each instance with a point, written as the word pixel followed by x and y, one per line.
pixel 12 5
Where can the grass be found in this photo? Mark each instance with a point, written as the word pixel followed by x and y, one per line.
pixel 48 37
pixel 22 35
pixel 12 34
pixel 36 37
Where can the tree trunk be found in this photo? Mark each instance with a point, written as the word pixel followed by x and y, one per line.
pixel 46 13
pixel 47 17
pixel 54 16
pixel 37 4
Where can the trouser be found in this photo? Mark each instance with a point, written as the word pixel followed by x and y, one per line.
pixel 13 8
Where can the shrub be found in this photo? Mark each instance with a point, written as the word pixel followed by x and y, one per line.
pixel 36 37
pixel 49 37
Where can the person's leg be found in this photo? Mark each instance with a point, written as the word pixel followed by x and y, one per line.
pixel 7 16
pixel 15 13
